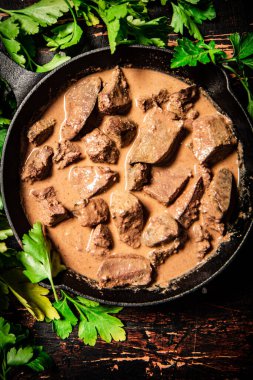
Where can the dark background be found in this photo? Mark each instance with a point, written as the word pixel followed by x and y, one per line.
pixel 206 335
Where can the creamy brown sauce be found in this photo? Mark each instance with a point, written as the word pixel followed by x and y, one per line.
pixel 69 237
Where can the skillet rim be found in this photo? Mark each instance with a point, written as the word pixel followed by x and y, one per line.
pixel 66 287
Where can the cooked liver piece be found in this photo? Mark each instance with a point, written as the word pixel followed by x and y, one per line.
pixel 159 255
pixel 160 229
pixel 138 175
pixel 180 102
pixel 202 240
pixel 127 215
pixel 91 212
pixel 40 131
pixel 38 165
pixel 186 207
pixel 66 153
pixel 158 137
pixel 212 138
pixel 52 211
pixel 216 202
pixel 167 184
pixel 115 98
pixel 100 148
pixel 205 173
pixel 154 100
pixel 122 270
pixel 80 101
pixel 91 180
pixel 100 241
pixel 121 131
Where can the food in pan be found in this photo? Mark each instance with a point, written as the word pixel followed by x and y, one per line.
pixel 133 172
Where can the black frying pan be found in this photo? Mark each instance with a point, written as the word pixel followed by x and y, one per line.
pixel 43 91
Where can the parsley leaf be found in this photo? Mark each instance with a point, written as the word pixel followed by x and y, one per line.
pixel 94 320
pixel 127 22
pixel 189 53
pixel 6 337
pixel 243 49
pixel 65 35
pixel 32 296
pixel 25 22
pixel 37 257
pixel 56 61
pixel 17 350
pixel 186 14
pixel 41 360
pixel 21 356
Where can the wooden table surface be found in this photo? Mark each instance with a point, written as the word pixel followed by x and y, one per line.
pixel 206 335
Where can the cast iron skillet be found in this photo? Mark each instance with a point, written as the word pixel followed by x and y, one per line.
pixel 210 77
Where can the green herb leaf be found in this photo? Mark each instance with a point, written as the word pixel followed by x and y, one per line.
pixel 56 61
pixel 188 15
pixel 16 350
pixel 4 234
pixel 43 13
pixel 41 360
pixel 21 356
pixel 64 36
pixel 6 338
pixel 94 320
pixel 243 48
pixel 32 296
pixel 190 53
pixel 64 326
pixel 36 256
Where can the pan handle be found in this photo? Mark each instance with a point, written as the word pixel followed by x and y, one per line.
pixel 20 80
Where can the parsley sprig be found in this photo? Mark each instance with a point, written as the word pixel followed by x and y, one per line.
pixel 16 349
pixel 40 262
pixel 240 64
pixel 93 319
pixel 126 21
pixel 16 32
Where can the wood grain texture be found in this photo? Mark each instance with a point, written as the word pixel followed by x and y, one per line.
pixel 206 335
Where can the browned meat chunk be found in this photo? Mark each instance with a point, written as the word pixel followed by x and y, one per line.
pixel 114 98
pixel 186 207
pixel 180 102
pixel 127 214
pixel 189 118
pixel 159 255
pixel 41 131
pixel 167 184
pixel 212 138
pixel 216 202
pixel 80 101
pixel 158 138
pixel 52 211
pixel 91 212
pixel 38 166
pixel 121 131
pixel 66 153
pixel 122 270
pixel 138 175
pixel 100 148
pixel 155 100
pixel 160 229
pixel 205 173
pixel 100 241
pixel 202 240
pixel 91 180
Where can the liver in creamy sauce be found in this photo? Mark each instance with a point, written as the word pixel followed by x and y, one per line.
pixel 103 230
